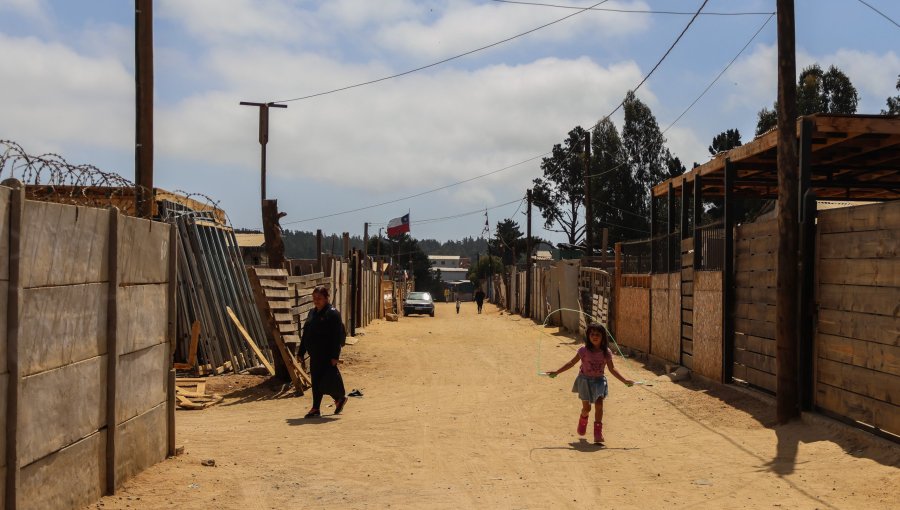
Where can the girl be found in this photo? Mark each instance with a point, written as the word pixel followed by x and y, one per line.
pixel 590 384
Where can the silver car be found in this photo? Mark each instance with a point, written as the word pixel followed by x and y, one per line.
pixel 418 302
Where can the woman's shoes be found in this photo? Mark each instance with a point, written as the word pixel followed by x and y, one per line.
pixel 313 413
pixel 598 432
pixel 582 425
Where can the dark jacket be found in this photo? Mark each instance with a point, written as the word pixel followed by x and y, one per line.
pixel 323 335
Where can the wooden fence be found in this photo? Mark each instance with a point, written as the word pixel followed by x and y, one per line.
pixel 86 350
pixel 857 342
pixel 754 323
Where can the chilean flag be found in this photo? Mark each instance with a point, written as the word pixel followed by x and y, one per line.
pixel 398 226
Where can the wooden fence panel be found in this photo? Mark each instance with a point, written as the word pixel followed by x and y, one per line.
pixel 857 342
pixel 755 246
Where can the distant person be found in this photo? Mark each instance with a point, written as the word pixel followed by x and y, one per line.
pixel 457 304
pixel 446 295
pixel 590 384
pixel 323 337
pixel 479 299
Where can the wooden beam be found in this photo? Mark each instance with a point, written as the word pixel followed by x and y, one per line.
pixel 250 341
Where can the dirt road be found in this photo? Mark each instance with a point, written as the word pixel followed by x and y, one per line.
pixel 454 415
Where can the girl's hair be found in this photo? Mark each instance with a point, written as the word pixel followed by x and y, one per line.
pixel 596 326
pixel 322 291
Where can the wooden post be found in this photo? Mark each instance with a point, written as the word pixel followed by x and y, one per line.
pixel 653 248
pixel 670 226
pixel 13 308
pixel 366 238
pixel 786 395
pixel 728 294
pixel 685 209
pixel 604 246
pixel 698 211
pixel 319 267
pixel 172 332
pixel 112 349
pixel 806 318
pixel 346 239
pixel 617 291
pixel 143 92
pixel 588 209
pixel 528 267
pixel 272 233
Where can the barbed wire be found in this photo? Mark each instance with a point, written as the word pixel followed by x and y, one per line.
pixel 51 178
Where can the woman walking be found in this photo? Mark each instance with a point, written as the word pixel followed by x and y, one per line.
pixel 323 337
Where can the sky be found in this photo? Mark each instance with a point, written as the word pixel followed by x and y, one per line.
pixel 486 117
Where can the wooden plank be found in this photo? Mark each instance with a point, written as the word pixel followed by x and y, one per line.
pixel 266 272
pixel 283 317
pixel 757 229
pixel 866 244
pixel 755 311
pixel 755 295
pixel 874 300
pixel 687 361
pixel 287 328
pixel 868 355
pixel 862 326
pixel 880 272
pixel 859 408
pixel 195 342
pixel 751 279
pixel 687 331
pixel 760 362
pixel 883 216
pixel 687 346
pixel 268 283
pixel 250 341
pixel 279 305
pixel 761 379
pixel 763 329
pixel 276 293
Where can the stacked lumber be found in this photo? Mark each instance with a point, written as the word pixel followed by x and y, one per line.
pixel 301 288
pixel 190 393
pixel 211 279
pixel 270 287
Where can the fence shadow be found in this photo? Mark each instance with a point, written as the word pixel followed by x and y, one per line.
pixel 271 388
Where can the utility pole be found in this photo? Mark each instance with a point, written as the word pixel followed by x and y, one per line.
pixel 588 212
pixel 263 139
pixel 528 269
pixel 787 298
pixel 143 88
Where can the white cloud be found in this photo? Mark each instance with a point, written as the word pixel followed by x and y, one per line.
pixel 33 9
pixel 874 75
pixel 471 24
pixel 55 96
pixel 226 20
pixel 356 13
pixel 687 146
pixel 419 131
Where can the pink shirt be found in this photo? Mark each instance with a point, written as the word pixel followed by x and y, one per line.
pixel 593 363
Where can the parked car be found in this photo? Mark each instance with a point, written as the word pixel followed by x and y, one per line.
pixel 418 302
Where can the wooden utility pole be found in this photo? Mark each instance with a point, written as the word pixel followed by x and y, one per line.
pixel 263 140
pixel 319 250
pixel 528 268
pixel 143 92
pixel 366 239
pixel 787 299
pixel 588 210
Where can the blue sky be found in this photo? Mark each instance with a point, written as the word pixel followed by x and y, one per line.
pixel 69 88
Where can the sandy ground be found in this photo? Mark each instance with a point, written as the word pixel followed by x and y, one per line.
pixel 454 415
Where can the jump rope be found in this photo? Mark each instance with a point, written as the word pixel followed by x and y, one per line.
pixel 592 318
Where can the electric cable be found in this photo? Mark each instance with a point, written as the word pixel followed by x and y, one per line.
pixel 885 16
pixel 634 11
pixel 398 75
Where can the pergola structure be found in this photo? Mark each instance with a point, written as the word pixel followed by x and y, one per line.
pixel 844 157
pixel 841 157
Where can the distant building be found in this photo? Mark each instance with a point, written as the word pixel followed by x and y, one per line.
pixel 543 255
pixel 445 261
pixel 453 274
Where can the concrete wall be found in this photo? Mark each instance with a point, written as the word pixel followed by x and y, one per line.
pixel 665 294
pixel 73 272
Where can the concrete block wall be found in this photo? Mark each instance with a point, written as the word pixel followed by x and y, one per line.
pixel 80 285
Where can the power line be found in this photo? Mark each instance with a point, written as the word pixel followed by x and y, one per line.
pixel 720 74
pixel 879 12
pixel 666 54
pixel 419 194
pixel 635 11
pixel 398 75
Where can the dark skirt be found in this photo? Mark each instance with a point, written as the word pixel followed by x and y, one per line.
pixel 327 380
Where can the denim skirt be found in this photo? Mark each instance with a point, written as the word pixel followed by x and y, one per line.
pixel 590 388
